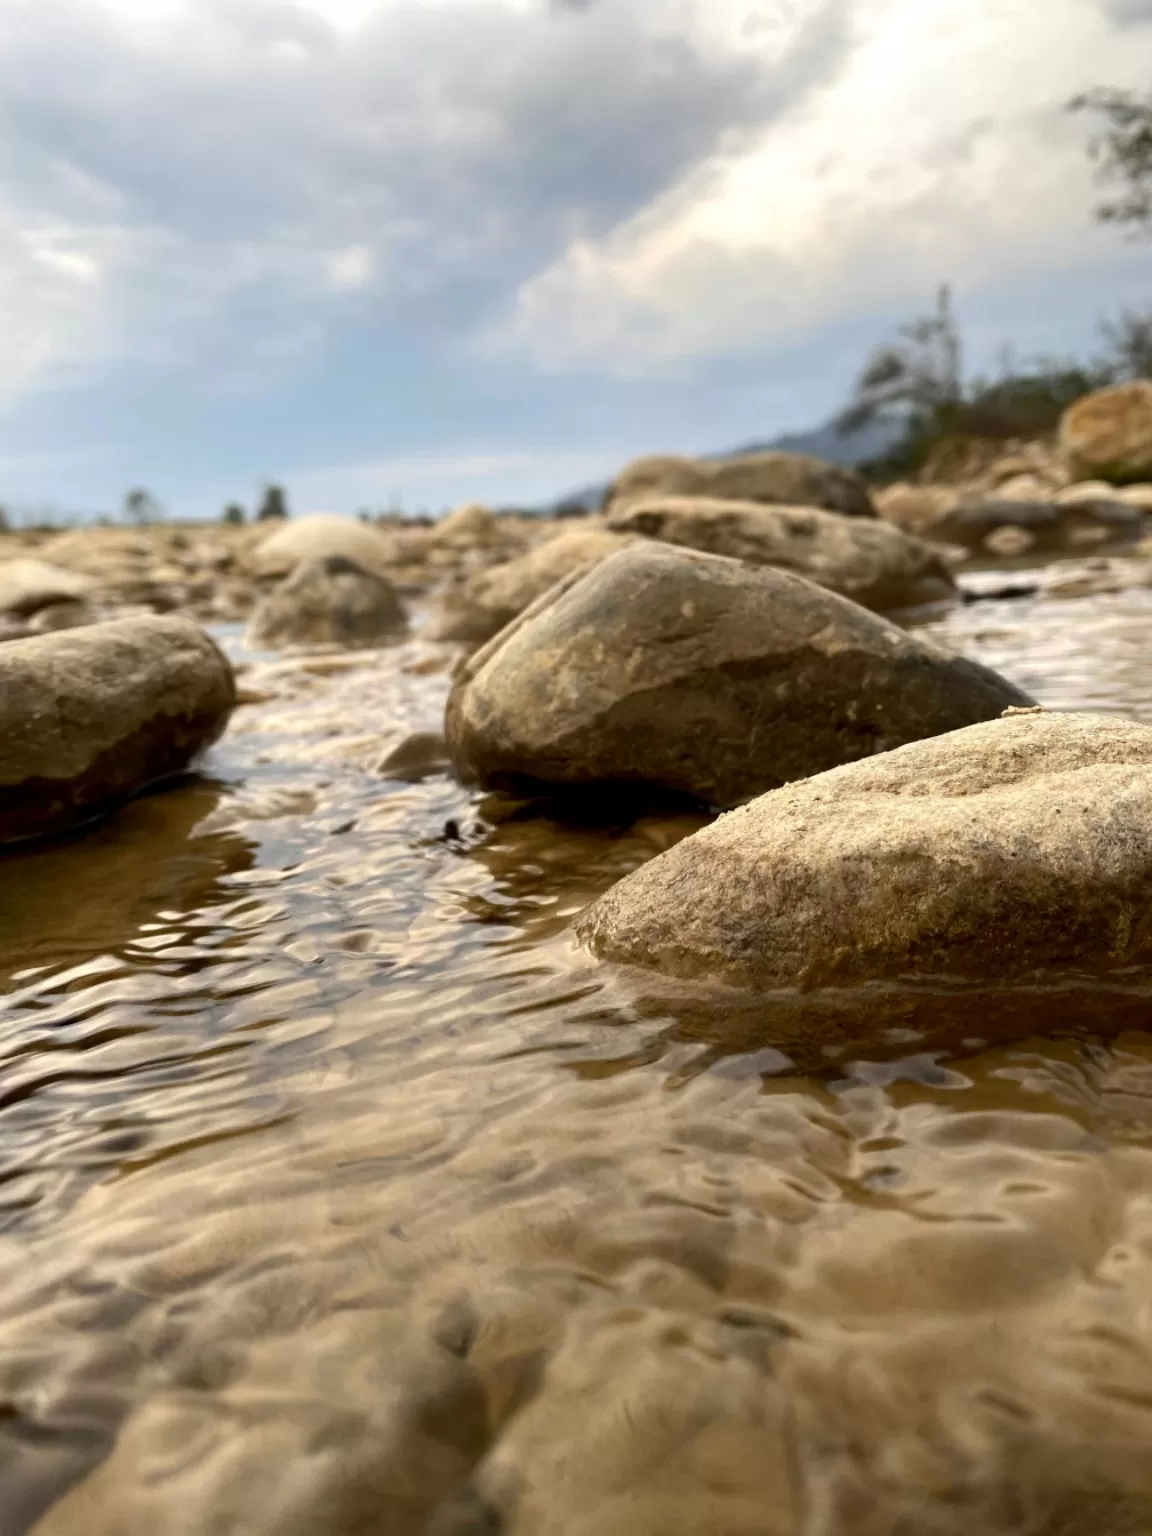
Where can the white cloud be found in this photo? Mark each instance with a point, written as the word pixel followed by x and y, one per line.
pixel 939 151
pixel 351 269
pixel 446 476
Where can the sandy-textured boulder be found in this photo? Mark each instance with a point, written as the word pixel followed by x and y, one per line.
pixel 865 559
pixel 318 536
pixel 1107 435
pixel 702 675
pixel 27 585
pixel 483 605
pixel 1050 525
pixel 915 508
pixel 88 716
pixel 790 479
pixel 1019 845
pixel 331 601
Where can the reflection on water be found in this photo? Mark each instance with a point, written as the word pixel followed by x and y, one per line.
pixel 339 1195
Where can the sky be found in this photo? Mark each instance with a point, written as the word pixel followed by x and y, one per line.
pixel 422 252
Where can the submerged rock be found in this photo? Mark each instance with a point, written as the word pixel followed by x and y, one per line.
pixel 1107 435
pixel 88 716
pixel 317 537
pixel 862 558
pixel 790 479
pixel 333 601
pixel 1017 845
pixel 483 605
pixel 701 675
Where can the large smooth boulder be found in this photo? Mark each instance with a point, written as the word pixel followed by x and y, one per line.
pixel 869 561
pixel 701 675
pixel 332 601
pixel 88 716
pixel 1018 845
pixel 27 585
pixel 484 604
pixel 317 537
pixel 789 479
pixel 1107 435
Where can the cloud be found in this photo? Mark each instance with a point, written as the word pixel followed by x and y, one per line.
pixel 940 150
pixel 202 170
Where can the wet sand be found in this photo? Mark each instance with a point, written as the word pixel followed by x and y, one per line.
pixel 339 1194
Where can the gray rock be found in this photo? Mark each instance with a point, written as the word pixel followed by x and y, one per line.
pixel 88 716
pixel 1018 845
pixel 790 479
pixel 703 675
pixel 332 601
pixel 862 558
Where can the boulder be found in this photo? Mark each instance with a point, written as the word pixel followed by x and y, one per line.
pixel 89 716
pixel 1017 846
pixel 703 676
pixel 470 524
pixel 1107 435
pixel 483 605
pixel 27 585
pixel 331 601
pixel 790 479
pixel 318 536
pixel 1052 525
pixel 915 508
pixel 862 558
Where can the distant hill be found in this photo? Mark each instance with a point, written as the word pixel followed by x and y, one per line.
pixel 825 442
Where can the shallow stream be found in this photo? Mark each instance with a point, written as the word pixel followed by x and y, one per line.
pixel 339 1195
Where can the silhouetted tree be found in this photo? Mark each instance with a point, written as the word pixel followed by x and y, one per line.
pixel 274 504
pixel 234 515
pixel 142 507
pixel 1122 152
pixel 913 378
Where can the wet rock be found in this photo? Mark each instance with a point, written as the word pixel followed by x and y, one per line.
pixel 702 675
pixel 484 604
pixel 1051 525
pixel 317 537
pixel 331 601
pixel 414 757
pixel 1107 435
pixel 1017 845
pixel 89 716
pixel 861 558
pixel 790 479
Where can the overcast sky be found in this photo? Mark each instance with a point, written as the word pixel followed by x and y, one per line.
pixel 487 249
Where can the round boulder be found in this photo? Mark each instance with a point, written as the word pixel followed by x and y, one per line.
pixel 790 479
pixel 701 675
pixel 331 601
pixel 318 536
pixel 1107 435
pixel 867 560
pixel 27 585
pixel 89 716
pixel 1011 847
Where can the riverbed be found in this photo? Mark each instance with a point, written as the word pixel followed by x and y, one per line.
pixel 340 1194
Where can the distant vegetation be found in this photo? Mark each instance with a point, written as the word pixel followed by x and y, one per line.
pixel 917 384
pixel 1122 152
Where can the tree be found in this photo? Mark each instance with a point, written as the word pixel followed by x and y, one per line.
pixel 274 504
pixel 1129 338
pixel 142 507
pixel 1122 152
pixel 234 515
pixel 912 379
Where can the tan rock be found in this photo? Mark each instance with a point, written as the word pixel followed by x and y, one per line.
pixel 89 716
pixel 914 508
pixel 331 601
pixel 701 675
pixel 1010 847
pixel 28 584
pixel 865 559
pixel 790 479
pixel 1107 435
pixel 484 604
pixel 318 536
